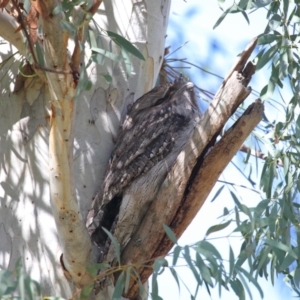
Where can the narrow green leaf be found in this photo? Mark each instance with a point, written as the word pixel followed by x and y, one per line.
pixel 225 211
pixel 272 269
pixel 243 4
pixel 282 247
pixel 125 44
pixel 171 235
pixel 210 249
pixel 298 127
pixel 243 208
pixel 288 260
pixel 274 7
pixel 252 280
pixel 86 291
pixel 53 298
pixel 174 274
pixel 37 287
pixel 67 5
pixel 221 282
pixel 93 270
pixel 126 61
pixel 242 257
pixel 127 279
pixel 176 254
pixel 284 63
pixel 27 5
pixel 297 277
pixel 188 259
pixel 286 160
pixel 296 15
pixel 216 228
pixel 286 4
pixel 246 17
pixel 92 39
pixel 238 288
pixel 267 92
pixel 268 38
pixel 7 283
pixel 30 292
pixel 263 259
pixel 57 10
pixel 156 297
pixel 231 262
pixel 108 54
pixel 245 285
pixel 20 280
pixel 263 222
pixel 67 26
pixel 266 57
pixel 141 287
pixel 203 269
pixel 219 21
pixel 119 287
pixel 275 21
pixel 260 208
pixel 107 77
pixel 159 263
pixel 85 85
pixel 237 216
pixel 245 227
pixel 39 54
pixel 273 215
pixel 217 193
pixel 154 291
pixel 267 178
pixel 261 3
pixel 99 59
pixel 115 243
pixel 207 289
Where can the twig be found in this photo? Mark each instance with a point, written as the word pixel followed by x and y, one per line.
pixel 36 65
pixel 239 185
pixel 39 67
pixel 23 26
pixel 258 154
pixel 95 6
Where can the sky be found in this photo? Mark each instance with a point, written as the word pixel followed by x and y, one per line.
pixel 192 21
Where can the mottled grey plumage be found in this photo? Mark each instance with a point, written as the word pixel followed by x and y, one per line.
pixel 155 130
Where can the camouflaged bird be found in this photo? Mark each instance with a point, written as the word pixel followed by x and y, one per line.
pixel 155 130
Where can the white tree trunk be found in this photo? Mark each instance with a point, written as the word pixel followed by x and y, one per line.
pixel 27 226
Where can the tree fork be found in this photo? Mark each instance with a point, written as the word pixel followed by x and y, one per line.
pixel 179 200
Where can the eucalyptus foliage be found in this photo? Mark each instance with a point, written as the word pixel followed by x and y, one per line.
pixel 271 229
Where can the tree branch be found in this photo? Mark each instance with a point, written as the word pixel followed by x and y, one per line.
pixel 258 154
pixel 241 60
pixel 8 26
pixel 213 165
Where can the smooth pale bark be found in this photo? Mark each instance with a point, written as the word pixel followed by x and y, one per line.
pixel 29 228
pixel 8 32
